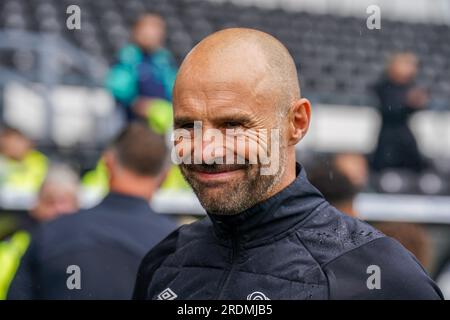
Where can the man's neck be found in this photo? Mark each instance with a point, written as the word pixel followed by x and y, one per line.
pixel 141 187
pixel 288 177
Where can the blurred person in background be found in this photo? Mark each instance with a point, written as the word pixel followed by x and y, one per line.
pixel 399 97
pixel 142 81
pixel 106 242
pixel 159 119
pixel 58 196
pixel 22 168
pixel 340 178
pixel 354 166
pixel 145 71
pixel 336 187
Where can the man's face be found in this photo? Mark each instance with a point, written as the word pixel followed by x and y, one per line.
pixel 54 200
pixel 14 145
pixel 403 68
pixel 236 108
pixel 149 33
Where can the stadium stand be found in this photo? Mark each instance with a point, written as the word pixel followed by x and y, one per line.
pixel 316 40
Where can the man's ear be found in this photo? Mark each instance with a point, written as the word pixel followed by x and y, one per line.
pixel 300 117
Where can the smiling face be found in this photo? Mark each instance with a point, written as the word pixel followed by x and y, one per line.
pixel 226 106
pixel 236 98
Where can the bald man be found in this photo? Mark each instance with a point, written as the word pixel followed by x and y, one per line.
pixel 269 234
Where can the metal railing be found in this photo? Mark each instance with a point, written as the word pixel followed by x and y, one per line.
pixel 53 54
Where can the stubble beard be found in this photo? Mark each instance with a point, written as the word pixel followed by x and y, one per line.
pixel 237 196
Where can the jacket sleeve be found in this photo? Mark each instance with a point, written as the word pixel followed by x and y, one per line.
pixel 151 262
pixel 381 269
pixel 121 81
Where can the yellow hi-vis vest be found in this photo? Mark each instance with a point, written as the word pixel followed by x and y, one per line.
pixel 26 175
pixel 11 252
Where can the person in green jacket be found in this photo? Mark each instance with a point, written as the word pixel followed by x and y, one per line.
pixel 144 69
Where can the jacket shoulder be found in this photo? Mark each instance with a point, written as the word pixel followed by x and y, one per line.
pixel 379 269
pixel 352 254
pixel 328 233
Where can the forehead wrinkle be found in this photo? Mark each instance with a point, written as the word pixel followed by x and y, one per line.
pixel 217 108
pixel 246 60
pixel 224 90
pixel 188 104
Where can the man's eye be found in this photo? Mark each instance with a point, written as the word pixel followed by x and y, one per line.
pixel 188 125
pixel 232 124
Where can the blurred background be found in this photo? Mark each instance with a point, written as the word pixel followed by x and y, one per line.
pixel 378 147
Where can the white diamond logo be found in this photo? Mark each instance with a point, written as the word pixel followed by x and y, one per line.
pixel 167 294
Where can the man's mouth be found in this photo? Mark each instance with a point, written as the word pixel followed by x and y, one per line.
pixel 216 174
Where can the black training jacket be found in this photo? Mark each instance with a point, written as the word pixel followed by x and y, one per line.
pixel 294 245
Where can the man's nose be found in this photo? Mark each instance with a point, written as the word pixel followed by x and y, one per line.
pixel 212 149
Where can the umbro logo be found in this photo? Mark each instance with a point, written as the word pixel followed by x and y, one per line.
pixel 167 294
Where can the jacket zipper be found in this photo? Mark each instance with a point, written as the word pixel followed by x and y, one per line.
pixel 226 278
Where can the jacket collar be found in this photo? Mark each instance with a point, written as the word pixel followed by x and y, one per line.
pixel 126 203
pixel 273 216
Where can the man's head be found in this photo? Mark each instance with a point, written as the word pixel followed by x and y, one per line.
pixel 354 166
pixel 402 67
pixel 149 32
pixel 58 194
pixel 136 160
pixel 340 177
pixel 335 185
pixel 14 144
pixel 243 80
